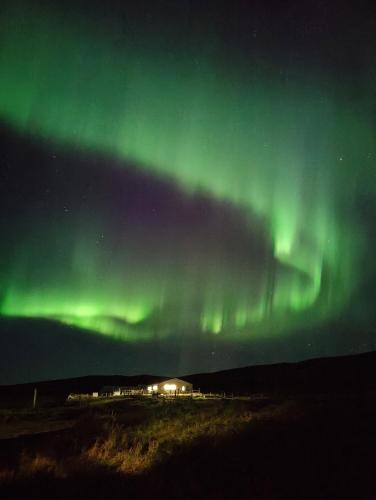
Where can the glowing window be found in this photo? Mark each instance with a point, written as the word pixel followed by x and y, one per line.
pixel 169 387
pixel 155 387
pixel 183 388
pixel 149 388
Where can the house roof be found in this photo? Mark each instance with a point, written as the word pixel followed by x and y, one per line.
pixel 169 380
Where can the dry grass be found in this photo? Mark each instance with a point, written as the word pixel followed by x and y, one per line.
pixel 281 448
pixel 107 439
pixel 38 464
pixel 136 449
pixel 6 475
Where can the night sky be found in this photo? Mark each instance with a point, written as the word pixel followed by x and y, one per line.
pixel 185 186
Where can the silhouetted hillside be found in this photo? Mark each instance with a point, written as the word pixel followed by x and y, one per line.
pixel 354 373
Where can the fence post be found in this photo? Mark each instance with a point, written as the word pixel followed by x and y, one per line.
pixel 35 398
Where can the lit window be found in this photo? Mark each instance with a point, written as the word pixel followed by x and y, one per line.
pixel 183 388
pixel 169 387
pixel 149 388
pixel 155 387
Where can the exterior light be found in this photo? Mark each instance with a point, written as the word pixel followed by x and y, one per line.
pixel 149 388
pixel 155 387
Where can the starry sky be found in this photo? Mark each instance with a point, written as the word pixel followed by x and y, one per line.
pixel 185 186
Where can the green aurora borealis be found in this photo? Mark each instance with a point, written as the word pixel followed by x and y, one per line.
pixel 277 149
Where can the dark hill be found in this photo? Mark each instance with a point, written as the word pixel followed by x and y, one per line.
pixel 351 374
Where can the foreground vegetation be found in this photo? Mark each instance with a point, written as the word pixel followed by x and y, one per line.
pixel 317 447
pixel 127 436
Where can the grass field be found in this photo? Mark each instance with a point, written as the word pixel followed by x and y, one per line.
pixel 304 447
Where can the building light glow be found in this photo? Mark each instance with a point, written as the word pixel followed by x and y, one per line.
pixel 155 387
pixel 169 387
pixel 149 388
pixel 183 388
